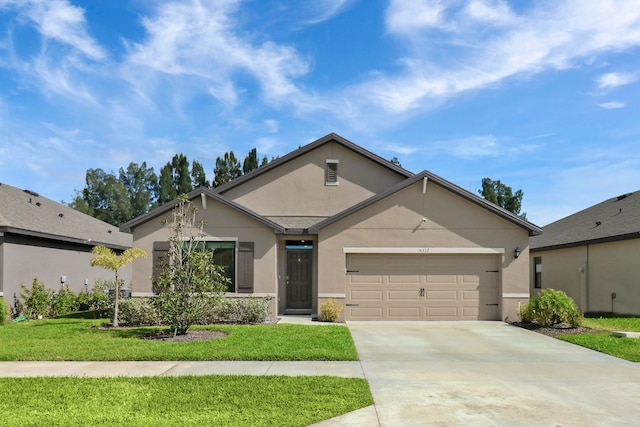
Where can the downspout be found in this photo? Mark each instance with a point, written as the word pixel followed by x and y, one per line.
pixel 586 281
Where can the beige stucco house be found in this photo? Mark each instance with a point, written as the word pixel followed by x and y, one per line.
pixel 42 239
pixel 593 256
pixel 333 220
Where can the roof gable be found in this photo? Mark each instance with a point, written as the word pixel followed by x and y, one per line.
pixel 200 192
pixel 428 178
pixel 617 218
pixel 332 137
pixel 26 212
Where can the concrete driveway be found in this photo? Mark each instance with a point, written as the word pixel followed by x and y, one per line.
pixel 491 374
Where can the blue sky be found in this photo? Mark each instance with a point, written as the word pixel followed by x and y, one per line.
pixel 543 95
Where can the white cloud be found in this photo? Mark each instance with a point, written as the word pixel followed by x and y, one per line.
pixel 612 105
pixel 548 36
pixel 197 43
pixel 272 125
pixel 490 12
pixel 323 10
pixel 407 17
pixel 611 80
pixel 61 21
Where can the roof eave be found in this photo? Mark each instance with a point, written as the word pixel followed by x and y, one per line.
pixel 66 239
pixel 627 236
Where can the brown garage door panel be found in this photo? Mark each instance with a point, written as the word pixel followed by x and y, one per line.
pixel 406 313
pixel 366 295
pixel 427 287
pixel 364 313
pixel 448 295
pixel 442 313
pixel 403 295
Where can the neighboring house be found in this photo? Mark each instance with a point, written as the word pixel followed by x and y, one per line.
pixel 593 256
pixel 333 220
pixel 42 239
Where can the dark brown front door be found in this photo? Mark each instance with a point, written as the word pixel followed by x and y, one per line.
pixel 299 277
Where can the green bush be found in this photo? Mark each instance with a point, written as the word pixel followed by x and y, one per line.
pixel 36 302
pixel 330 310
pixel 550 308
pixel 248 310
pixel 64 302
pixel 99 295
pixel 138 312
pixel 4 311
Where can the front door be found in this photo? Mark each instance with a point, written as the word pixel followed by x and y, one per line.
pixel 299 279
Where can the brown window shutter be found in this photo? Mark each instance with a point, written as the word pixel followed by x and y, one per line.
pixel 160 258
pixel 244 284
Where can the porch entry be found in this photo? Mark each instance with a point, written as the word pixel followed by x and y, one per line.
pixel 299 276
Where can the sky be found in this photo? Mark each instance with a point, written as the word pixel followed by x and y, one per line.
pixel 541 95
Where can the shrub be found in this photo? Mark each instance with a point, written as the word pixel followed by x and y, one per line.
pixel 64 302
pixel 138 312
pixel 330 310
pixel 550 308
pixel 4 311
pixel 36 301
pixel 248 310
pixel 99 296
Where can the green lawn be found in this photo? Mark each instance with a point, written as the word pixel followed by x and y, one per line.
pixel 185 401
pixel 602 340
pixel 82 339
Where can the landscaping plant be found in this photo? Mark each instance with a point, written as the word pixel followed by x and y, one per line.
pixel 330 310
pixel 108 259
pixel 4 311
pixel 36 302
pixel 190 280
pixel 551 308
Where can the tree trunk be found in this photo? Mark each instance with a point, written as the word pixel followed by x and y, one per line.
pixel 114 323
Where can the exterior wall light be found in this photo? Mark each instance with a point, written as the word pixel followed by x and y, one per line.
pixel 516 253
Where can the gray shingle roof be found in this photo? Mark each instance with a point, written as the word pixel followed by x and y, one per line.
pixel 27 213
pixel 615 219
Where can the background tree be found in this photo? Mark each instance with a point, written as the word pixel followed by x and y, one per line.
pixel 503 196
pixel 198 176
pixel 227 168
pixel 108 259
pixel 104 197
pixel 250 162
pixel 166 190
pixel 190 280
pixel 181 174
pixel 141 184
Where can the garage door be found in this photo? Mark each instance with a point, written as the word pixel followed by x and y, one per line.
pixel 422 287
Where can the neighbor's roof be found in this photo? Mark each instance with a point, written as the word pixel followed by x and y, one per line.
pixel 430 177
pixel 27 213
pixel 614 219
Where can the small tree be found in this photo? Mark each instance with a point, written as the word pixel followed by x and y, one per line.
pixel 108 259
pixel 189 280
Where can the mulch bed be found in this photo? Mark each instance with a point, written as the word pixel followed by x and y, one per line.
pixel 553 331
pixel 188 337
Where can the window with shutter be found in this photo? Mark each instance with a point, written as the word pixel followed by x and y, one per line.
pixel 245 267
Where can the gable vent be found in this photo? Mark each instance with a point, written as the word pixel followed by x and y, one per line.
pixel 331 174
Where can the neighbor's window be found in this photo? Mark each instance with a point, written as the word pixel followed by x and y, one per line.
pixel 224 255
pixel 537 271
pixel 331 172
